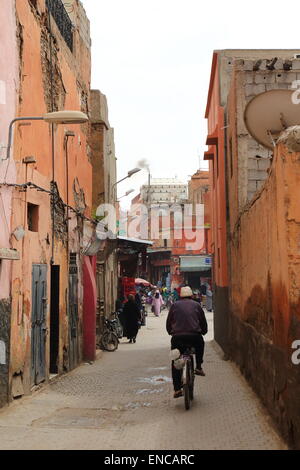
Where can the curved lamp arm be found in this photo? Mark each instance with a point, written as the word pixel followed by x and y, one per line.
pixel 57 117
pixel 10 131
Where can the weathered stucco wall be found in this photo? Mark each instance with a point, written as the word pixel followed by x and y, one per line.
pixel 249 78
pixel 104 177
pixel 71 92
pixel 264 293
pixel 8 85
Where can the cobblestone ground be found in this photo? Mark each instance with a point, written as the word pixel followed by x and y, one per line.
pixel 124 401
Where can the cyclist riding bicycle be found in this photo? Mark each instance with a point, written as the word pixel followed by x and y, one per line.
pixel 186 323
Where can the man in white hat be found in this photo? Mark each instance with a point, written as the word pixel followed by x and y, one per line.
pixel 186 323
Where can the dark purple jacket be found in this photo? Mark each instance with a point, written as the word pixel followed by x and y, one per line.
pixel 186 317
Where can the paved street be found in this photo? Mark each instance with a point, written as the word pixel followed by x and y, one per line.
pixel 125 401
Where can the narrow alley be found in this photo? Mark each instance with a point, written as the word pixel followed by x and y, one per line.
pixel 149 162
pixel 124 401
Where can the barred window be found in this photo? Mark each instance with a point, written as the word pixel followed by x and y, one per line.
pixel 62 19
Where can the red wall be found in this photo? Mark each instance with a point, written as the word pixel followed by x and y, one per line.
pixel 89 308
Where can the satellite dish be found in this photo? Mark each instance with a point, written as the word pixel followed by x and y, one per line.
pixel 270 113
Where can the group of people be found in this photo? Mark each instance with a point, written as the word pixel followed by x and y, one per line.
pixel 165 297
pixel 132 313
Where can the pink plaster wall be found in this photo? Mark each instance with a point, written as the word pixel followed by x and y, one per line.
pixel 8 87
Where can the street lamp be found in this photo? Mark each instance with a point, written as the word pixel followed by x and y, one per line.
pixel 126 194
pixel 129 174
pixel 66 117
pixel 57 117
pixel 132 172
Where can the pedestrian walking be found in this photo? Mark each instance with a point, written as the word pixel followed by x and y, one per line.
pixel 157 302
pixel 164 294
pixel 132 319
pixel 196 297
pixel 209 295
pixel 138 301
pixel 175 295
pixel 203 287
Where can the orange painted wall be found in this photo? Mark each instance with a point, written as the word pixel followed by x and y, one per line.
pixel 35 140
pixel 200 193
pixel 264 250
pixel 216 123
pixel 265 255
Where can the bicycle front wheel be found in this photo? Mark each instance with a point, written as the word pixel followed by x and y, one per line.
pixel 110 341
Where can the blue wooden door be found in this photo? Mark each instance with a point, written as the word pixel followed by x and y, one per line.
pixel 38 323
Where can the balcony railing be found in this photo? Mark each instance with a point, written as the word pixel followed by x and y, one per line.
pixel 62 19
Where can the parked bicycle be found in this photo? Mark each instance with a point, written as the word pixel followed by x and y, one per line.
pixel 109 339
pixel 117 325
pixel 185 362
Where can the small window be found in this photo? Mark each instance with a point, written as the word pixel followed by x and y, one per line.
pixel 34 3
pixel 33 217
pixel 165 243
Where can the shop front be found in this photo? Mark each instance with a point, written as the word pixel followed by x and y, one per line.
pixel 195 268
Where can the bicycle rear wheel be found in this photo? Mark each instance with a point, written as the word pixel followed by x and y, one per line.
pixel 110 341
pixel 192 378
pixel 186 385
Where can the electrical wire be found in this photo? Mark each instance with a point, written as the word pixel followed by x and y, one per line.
pixel 30 185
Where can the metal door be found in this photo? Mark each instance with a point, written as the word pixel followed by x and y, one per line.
pixel 73 313
pixel 38 323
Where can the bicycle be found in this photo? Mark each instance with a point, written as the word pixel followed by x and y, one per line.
pixel 185 363
pixel 117 325
pixel 109 339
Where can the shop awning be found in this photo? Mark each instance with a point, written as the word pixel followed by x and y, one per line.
pixel 132 245
pixel 197 263
pixel 136 240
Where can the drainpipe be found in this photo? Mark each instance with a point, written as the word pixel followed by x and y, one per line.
pixel 52 138
pixel 67 135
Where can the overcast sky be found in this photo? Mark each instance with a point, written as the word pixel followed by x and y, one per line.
pixel 152 60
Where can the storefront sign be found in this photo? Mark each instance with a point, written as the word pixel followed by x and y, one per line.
pixel 128 284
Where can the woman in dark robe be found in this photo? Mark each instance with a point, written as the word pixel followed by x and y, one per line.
pixel 132 318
